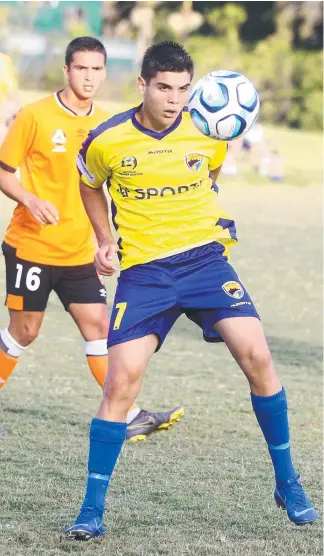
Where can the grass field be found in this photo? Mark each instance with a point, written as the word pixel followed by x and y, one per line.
pixel 205 487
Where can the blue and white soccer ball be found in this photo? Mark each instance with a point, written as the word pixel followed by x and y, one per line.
pixel 224 105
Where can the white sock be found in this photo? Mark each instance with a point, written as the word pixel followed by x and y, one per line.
pixel 96 347
pixel 9 345
pixel 132 414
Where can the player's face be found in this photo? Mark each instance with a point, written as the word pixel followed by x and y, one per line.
pixel 165 95
pixel 86 73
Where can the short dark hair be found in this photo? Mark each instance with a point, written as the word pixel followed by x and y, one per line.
pixel 166 56
pixel 84 44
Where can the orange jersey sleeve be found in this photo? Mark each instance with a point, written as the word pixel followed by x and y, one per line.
pixel 18 141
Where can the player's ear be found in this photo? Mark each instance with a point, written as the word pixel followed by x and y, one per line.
pixel 141 85
pixel 66 71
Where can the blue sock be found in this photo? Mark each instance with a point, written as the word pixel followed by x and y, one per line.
pixel 106 441
pixel 272 415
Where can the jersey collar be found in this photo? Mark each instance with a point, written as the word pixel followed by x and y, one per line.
pixel 66 108
pixel 155 134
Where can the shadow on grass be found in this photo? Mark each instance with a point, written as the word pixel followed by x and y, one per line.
pixel 298 353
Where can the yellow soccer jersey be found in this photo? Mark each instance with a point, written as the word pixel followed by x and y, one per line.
pixel 163 200
pixel 8 81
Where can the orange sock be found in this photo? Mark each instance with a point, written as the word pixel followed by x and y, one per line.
pixel 98 365
pixel 7 365
pixel 10 351
pixel 97 357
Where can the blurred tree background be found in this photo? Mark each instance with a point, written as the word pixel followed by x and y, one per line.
pixel 278 45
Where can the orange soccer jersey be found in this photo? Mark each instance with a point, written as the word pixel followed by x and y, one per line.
pixel 44 142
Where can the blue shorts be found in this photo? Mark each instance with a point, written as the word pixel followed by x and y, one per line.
pixel 199 283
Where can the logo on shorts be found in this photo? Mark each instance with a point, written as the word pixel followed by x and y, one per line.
pixel 129 162
pixel 233 289
pixel 101 280
pixel 103 292
pixel 194 161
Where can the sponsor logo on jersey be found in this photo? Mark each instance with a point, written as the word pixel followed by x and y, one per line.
pixel 59 140
pixel 161 151
pixel 233 289
pixel 81 133
pixel 194 161
pixel 153 192
pixel 129 162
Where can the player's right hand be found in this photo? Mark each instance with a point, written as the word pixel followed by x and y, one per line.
pixel 43 211
pixel 104 259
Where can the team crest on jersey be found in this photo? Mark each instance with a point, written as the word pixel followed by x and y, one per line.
pixel 194 161
pixel 59 140
pixel 233 289
pixel 129 162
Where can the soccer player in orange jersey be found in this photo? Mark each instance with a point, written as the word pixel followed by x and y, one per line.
pixel 49 243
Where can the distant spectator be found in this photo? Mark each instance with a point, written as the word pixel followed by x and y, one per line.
pixel 76 23
pixel 185 21
pixel 110 18
pixel 142 19
pixel 276 169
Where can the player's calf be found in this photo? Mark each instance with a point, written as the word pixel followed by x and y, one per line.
pixel 23 329
pixel 10 351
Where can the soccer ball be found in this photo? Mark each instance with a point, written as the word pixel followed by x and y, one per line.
pixel 224 105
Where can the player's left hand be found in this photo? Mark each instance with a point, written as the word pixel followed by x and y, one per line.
pixel 104 259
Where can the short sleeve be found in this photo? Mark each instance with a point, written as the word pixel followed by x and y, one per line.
pixel 18 140
pixel 91 165
pixel 219 156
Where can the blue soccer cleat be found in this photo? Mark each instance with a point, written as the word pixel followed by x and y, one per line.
pixel 88 526
pixel 292 497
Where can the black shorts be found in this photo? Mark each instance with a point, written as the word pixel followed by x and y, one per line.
pixel 30 284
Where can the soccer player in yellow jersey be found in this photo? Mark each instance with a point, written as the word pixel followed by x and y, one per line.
pixel 9 101
pixel 173 251
pixel 49 244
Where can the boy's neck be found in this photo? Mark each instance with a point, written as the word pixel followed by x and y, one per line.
pixel 81 107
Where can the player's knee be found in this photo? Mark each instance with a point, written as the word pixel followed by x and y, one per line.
pixel 101 329
pixel 26 333
pixel 96 329
pixel 122 382
pixel 257 360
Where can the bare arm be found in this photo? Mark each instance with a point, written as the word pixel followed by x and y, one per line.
pixel 13 189
pixel 96 206
pixel 43 211
pixel 215 173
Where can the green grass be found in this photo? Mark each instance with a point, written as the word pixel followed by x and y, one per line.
pixel 205 487
pixel 301 153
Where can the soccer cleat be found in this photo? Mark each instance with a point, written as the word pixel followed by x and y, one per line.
pixel 88 526
pixel 292 497
pixel 147 422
